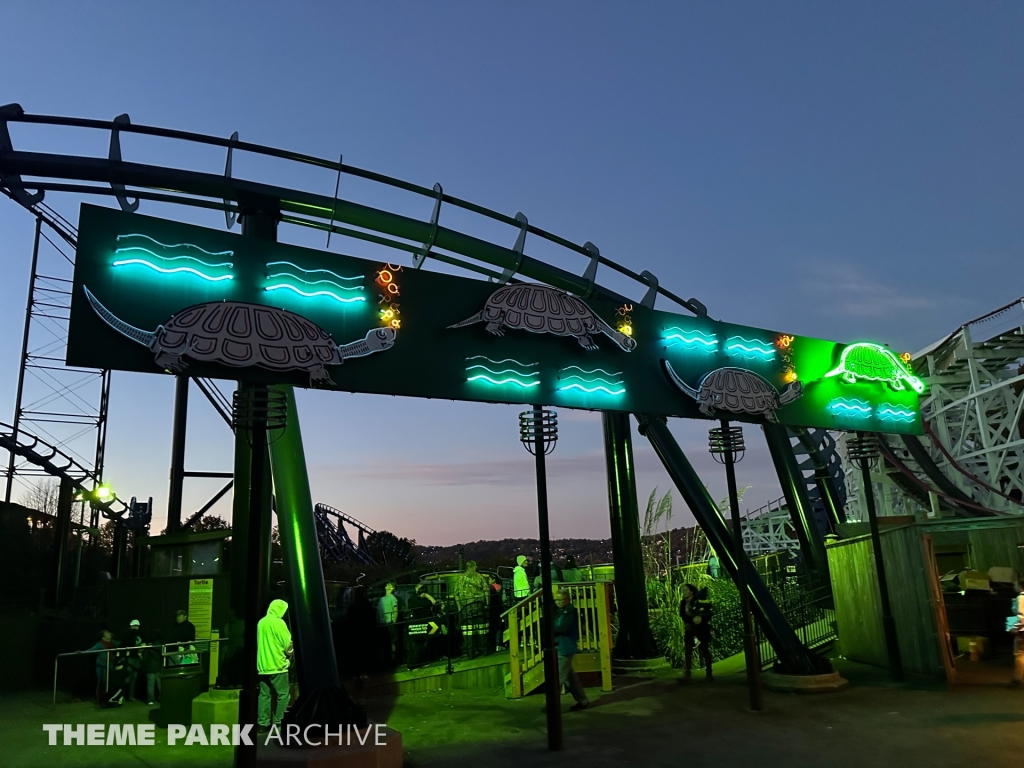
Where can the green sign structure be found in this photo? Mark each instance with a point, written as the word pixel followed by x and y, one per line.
pixel 154 295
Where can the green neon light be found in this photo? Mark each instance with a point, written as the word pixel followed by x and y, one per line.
pixel 756 347
pixel 890 412
pixel 178 245
pixel 279 286
pixel 312 271
pixel 196 272
pixel 517 382
pixel 873 362
pixel 593 389
pixel 696 339
pixel 506 370
pixel 317 282
pixel 844 407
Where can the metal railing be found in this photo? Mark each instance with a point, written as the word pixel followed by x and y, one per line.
pixel 810 610
pixel 592 601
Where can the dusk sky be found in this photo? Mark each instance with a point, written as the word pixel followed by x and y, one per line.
pixel 842 170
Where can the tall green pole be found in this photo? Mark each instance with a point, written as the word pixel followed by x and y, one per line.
pixel 634 640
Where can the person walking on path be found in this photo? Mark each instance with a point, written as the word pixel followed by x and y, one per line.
pixel 273 658
pixel 696 615
pixel 567 635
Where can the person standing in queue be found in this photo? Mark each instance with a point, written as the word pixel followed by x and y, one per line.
pixel 520 581
pixel 471 597
pixel 567 635
pixel 696 615
pixel 133 659
pixel 1015 624
pixel 273 659
pixel 105 643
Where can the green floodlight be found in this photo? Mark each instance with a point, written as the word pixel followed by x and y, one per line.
pixel 103 493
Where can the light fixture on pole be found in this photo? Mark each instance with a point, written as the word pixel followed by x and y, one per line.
pixel 538 431
pixel 725 444
pixel 862 448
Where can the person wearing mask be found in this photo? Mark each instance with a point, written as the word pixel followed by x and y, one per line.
pixel 273 658
pixel 520 581
pixel 696 615
pixel 471 596
pixel 105 643
pixel 567 635
pixel 571 574
pixel 133 659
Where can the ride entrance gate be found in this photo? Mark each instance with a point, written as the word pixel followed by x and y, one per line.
pixel 158 296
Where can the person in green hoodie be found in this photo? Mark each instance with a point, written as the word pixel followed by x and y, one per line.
pixel 273 657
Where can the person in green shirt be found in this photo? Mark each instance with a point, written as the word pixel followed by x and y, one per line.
pixel 273 658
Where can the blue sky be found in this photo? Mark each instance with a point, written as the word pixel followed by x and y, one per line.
pixel 848 171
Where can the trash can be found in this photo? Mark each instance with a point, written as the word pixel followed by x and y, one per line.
pixel 178 686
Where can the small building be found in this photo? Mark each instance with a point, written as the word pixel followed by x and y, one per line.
pixel 932 611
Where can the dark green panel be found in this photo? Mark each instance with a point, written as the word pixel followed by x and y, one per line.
pixel 429 359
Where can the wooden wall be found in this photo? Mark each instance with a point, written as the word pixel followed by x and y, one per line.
pixel 989 543
pixel 858 606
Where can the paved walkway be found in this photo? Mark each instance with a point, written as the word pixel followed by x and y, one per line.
pixel 653 722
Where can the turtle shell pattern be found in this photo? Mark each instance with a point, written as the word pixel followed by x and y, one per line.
pixel 239 334
pixel 737 390
pixel 871 363
pixel 540 309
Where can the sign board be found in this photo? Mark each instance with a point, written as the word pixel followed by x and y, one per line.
pixel 154 295
pixel 200 606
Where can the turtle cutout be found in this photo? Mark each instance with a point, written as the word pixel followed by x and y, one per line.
pixel 736 390
pixel 242 335
pixel 542 309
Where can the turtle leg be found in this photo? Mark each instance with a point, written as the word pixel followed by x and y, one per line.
pixel 849 378
pixel 318 376
pixel 586 342
pixel 494 326
pixel 897 384
pixel 169 361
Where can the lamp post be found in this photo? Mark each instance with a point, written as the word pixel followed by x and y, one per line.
pixel 725 443
pixel 863 449
pixel 538 431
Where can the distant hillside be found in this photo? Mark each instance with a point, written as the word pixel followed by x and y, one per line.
pixel 491 554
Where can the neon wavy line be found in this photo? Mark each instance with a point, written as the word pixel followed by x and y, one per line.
pixel 313 271
pixel 595 389
pixel 317 282
pixel 759 348
pixel 173 258
pixel 596 370
pixel 594 380
pixel 709 340
pixel 315 293
pixel 499 362
pixel 499 373
pixel 517 382
pixel 857 406
pixel 179 245
pixel 172 271
pixel 894 412
pixel 699 333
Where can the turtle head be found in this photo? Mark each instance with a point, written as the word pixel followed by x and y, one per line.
pixel 791 393
pixel 627 343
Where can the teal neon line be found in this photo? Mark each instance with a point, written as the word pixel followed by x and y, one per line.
pixel 179 245
pixel 708 340
pixel 894 413
pixel 315 293
pixel 596 370
pixel 172 271
pixel 594 380
pixel 595 389
pixel 317 282
pixel 517 382
pixel 851 407
pixel 499 373
pixel 759 348
pixel 173 258
pixel 313 271
pixel 499 362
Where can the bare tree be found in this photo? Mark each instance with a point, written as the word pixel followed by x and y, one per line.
pixel 42 497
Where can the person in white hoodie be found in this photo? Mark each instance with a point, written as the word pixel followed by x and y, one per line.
pixel 520 581
pixel 273 658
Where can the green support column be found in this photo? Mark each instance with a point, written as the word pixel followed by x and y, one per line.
pixel 635 640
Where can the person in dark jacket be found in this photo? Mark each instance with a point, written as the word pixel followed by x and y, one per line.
pixel 106 642
pixel 695 611
pixel 183 631
pixel 567 635
pixel 152 665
